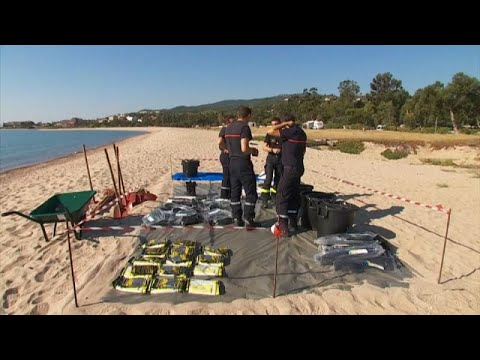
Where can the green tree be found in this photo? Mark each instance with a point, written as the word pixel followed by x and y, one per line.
pixel 385 88
pixel 369 114
pixel 461 99
pixel 349 90
pixel 344 108
pixel 428 104
pixel 407 115
pixel 425 107
pixel 385 114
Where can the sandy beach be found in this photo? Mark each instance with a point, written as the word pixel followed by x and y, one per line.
pixel 35 275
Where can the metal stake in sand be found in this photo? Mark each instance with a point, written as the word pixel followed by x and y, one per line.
pixel 276 267
pixel 444 246
pixel 71 265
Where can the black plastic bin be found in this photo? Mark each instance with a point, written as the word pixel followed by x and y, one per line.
pixel 331 217
pixel 303 211
pixel 305 187
pixel 310 198
pixel 190 167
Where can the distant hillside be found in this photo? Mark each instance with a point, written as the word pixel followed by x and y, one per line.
pixel 223 105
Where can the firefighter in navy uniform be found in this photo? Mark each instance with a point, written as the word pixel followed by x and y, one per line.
pixel 237 138
pixel 273 166
pixel 294 144
pixel 225 161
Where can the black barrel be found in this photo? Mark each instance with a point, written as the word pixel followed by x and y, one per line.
pixel 191 186
pixel 331 217
pixel 309 199
pixel 190 167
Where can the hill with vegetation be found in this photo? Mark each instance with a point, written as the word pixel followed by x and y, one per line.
pixel 437 106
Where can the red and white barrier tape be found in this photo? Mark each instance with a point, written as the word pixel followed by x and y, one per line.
pixel 439 207
pixel 153 227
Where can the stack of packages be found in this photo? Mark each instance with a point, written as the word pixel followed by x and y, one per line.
pixel 188 211
pixel 167 267
pixel 355 252
pixel 216 212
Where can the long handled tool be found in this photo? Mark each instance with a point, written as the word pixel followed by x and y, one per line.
pixel 120 175
pixel 88 171
pixel 118 171
pixel 119 206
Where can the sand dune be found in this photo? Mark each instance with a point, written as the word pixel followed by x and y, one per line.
pixel 35 275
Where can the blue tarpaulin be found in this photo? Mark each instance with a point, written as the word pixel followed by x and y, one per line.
pixel 201 176
pixel 204 176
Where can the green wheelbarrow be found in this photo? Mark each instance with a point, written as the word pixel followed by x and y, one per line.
pixel 66 207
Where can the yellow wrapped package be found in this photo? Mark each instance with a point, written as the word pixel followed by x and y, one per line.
pixel 185 243
pixel 162 285
pixel 173 271
pixel 204 287
pixel 181 256
pixel 141 272
pixel 164 243
pixel 208 270
pixel 146 265
pixel 136 285
pixel 211 260
pixel 155 252
pixel 224 252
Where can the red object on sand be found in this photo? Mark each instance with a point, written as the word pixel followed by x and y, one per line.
pixel 138 197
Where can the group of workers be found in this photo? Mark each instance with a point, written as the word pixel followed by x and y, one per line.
pixel 285 143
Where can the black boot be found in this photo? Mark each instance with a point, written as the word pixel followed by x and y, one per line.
pixel 239 222
pixel 292 224
pixel 225 194
pixel 265 204
pixel 273 197
pixel 250 222
pixel 265 198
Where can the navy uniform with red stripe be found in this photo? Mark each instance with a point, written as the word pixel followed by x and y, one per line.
pixel 294 142
pixel 272 166
pixel 241 171
pixel 225 161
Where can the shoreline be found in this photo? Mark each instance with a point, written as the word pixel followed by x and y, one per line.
pixel 145 128
pixel 71 156
pixel 142 128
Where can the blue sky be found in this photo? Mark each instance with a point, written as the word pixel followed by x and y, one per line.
pixel 51 83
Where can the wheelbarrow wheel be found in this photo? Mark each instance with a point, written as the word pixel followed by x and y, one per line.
pixel 78 234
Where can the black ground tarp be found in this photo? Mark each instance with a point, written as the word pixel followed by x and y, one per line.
pixel 250 272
